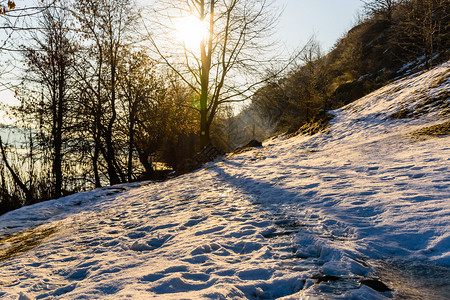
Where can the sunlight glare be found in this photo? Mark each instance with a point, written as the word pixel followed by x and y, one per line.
pixel 191 31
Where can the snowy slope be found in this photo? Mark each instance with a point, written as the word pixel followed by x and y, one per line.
pixel 300 218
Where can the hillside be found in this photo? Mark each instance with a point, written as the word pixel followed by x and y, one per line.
pixel 394 39
pixel 343 214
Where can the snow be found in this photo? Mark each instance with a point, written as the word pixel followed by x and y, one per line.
pixel 300 218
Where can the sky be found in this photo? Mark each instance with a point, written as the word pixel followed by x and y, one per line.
pixel 327 20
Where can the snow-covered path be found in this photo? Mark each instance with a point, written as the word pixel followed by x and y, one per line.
pixel 300 218
pixel 196 235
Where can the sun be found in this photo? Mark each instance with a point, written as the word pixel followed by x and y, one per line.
pixel 191 31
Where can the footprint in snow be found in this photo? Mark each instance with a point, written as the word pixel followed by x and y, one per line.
pixel 311 186
pixel 205 249
pixel 398 168
pixel 330 178
pixel 58 292
pixel 363 211
pixel 414 176
pixel 175 269
pixel 241 233
pixel 244 247
pixel 158 242
pixel 418 198
pixel 152 244
pixel 196 276
pixel 255 274
pixel 145 228
pixel 441 186
pixel 165 226
pixel 194 221
pixel 211 230
pixel 78 274
pixel 197 259
pixel 368 193
pixel 178 285
pixel 258 224
pixel 152 277
pixel 136 234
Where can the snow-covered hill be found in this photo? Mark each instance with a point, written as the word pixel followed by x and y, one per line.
pixel 333 216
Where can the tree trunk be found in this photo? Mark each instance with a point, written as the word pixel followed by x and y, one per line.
pixel 96 155
pixel 57 168
pixel 28 194
pixel 110 156
pixel 131 143
pixel 205 52
pixel 144 159
pixel 204 128
pixel 97 124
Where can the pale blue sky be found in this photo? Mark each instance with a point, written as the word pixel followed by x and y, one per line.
pixel 327 19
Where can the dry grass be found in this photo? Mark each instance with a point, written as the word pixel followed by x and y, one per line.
pixel 401 114
pixel 433 131
pixel 440 102
pixel 241 150
pixel 23 241
pixel 441 79
pixel 319 124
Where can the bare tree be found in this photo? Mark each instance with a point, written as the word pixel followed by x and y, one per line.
pixel 26 190
pixel 380 7
pixel 50 60
pixel 141 87
pixel 108 25
pixel 423 29
pixel 166 126
pixel 233 37
pixel 13 18
pixel 289 102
